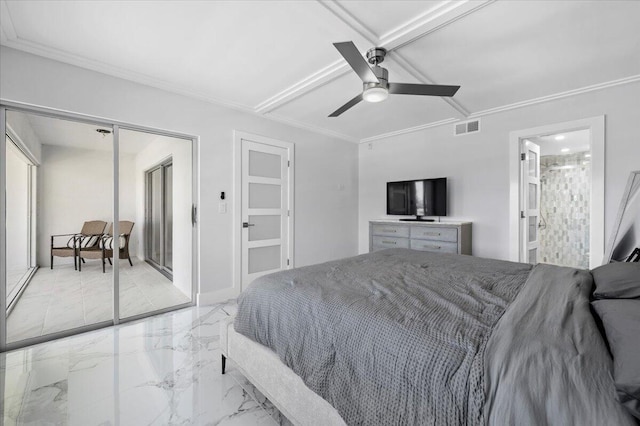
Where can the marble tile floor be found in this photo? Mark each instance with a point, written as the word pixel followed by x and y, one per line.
pixel 162 370
pixel 61 298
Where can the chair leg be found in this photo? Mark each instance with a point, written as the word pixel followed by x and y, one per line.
pixel 130 262
pixel 82 260
pixel 51 261
pixel 109 259
pixel 80 263
pixel 75 262
pixel 224 363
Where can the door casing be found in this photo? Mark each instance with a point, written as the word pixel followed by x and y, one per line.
pixel 596 125
pixel 237 201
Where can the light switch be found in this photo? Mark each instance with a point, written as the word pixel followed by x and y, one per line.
pixel 222 208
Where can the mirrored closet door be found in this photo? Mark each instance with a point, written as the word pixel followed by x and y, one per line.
pixel 78 254
pixel 156 223
pixel 59 184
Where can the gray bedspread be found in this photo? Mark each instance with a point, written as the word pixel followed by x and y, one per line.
pixel 395 337
pixel 546 363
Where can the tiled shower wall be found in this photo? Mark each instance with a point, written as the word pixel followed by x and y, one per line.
pixel 564 207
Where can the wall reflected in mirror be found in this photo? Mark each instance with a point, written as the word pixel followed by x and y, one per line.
pixel 156 181
pixel 59 204
pixel 626 232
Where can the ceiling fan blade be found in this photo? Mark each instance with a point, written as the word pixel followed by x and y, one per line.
pixel 353 57
pixel 422 89
pixel 346 106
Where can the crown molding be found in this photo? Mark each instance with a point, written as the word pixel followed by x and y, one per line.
pixel 102 68
pixel 311 128
pixel 560 95
pixel 517 105
pixel 317 79
pixel 430 21
pixel 7 30
pixel 409 130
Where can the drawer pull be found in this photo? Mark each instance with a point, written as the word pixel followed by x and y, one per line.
pixel 428 246
pixel 389 242
pixel 390 230
pixel 435 234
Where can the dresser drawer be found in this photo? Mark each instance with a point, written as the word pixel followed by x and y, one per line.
pixel 389 242
pixel 441 246
pixel 433 233
pixel 391 230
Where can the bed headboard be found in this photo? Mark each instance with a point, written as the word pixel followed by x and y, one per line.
pixel 625 237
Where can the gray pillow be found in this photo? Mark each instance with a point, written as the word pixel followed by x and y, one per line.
pixel 619 280
pixel 621 319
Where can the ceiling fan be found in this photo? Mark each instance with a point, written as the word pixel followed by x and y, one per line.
pixel 376 86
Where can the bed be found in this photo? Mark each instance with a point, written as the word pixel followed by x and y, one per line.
pixel 406 337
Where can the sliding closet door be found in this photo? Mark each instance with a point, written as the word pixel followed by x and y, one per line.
pixel 156 257
pixel 100 224
pixel 68 290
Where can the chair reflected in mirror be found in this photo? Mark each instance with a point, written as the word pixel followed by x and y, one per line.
pixel 88 238
pixel 104 249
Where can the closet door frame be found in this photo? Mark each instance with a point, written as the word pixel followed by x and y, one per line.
pixel 116 126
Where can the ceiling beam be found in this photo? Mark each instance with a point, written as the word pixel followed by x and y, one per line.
pixel 437 17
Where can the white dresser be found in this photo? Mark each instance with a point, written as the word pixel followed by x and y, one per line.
pixel 444 237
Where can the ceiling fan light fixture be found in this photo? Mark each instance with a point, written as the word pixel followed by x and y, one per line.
pixel 375 94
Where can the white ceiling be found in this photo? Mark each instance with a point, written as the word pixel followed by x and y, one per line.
pixel 275 58
pixel 571 143
pixel 73 134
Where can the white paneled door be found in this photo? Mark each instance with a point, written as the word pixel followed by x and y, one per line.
pixel 266 209
pixel 530 213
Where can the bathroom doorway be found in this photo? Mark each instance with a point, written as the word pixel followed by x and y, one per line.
pixel 563 220
pixel 556 202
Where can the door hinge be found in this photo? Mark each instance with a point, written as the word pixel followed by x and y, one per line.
pixel 521 214
pixel 288 163
pixel 288 212
pixel 523 156
pixel 194 215
pixel 287 262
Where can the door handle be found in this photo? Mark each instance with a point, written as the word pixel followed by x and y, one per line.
pixel 247 224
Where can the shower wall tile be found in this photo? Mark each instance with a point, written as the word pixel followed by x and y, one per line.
pixel 564 206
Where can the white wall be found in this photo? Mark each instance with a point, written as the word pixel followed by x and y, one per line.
pixel 152 155
pixel 326 217
pixel 74 186
pixel 477 164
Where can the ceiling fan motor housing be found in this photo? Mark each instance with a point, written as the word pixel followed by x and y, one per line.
pixel 383 76
pixel 376 55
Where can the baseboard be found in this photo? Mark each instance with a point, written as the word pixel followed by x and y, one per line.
pixel 211 297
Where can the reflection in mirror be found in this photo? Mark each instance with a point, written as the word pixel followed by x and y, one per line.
pixel 59 202
pixel 155 196
pixel 20 193
pixel 626 232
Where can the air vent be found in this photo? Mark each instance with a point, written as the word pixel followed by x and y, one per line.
pixel 466 127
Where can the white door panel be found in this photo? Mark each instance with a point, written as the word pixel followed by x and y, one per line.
pixel 530 208
pixel 265 209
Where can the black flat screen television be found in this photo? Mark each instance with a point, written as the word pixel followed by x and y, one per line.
pixel 424 197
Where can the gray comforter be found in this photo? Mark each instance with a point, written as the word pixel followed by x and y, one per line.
pixel 392 337
pixel 398 337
